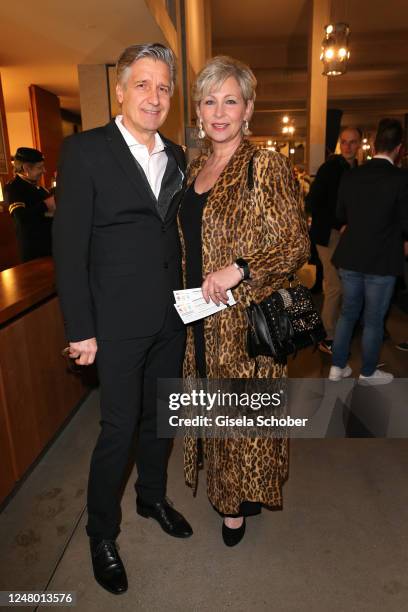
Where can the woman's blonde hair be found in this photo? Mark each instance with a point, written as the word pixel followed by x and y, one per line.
pixel 217 70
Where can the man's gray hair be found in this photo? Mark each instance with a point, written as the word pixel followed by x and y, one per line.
pixel 155 51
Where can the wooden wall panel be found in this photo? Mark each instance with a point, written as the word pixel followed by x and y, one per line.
pixel 16 373
pixel 39 389
pixel 6 170
pixel 47 127
pixel 8 470
pixel 8 244
pixel 56 387
pixel 9 255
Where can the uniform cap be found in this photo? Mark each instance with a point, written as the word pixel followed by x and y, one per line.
pixel 25 154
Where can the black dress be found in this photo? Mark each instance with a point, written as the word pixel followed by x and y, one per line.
pixel 191 215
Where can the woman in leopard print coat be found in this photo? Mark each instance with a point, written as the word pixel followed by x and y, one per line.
pixel 264 225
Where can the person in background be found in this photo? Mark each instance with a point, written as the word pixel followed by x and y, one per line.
pixel 30 205
pixel 373 207
pixel 324 231
pixel 303 179
pixel 242 228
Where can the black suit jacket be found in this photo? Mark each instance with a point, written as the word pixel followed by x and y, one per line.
pixel 373 202
pixel 322 198
pixel 116 247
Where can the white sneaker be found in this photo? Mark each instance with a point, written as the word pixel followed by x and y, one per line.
pixel 378 377
pixel 337 373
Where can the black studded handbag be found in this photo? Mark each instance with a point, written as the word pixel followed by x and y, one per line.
pixel 283 323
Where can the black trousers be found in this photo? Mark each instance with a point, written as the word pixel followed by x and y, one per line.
pixel 128 372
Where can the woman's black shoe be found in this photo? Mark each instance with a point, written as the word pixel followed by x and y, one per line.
pixel 232 537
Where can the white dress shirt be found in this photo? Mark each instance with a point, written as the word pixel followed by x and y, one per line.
pixel 384 156
pixel 154 163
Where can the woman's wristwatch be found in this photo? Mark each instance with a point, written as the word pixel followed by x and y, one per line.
pixel 243 267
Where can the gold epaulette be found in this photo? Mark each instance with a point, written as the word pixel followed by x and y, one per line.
pixel 16 205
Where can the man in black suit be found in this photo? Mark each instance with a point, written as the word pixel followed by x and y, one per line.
pixel 373 206
pixel 117 254
pixel 324 231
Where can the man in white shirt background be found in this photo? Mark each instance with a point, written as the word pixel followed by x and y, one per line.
pixel 117 255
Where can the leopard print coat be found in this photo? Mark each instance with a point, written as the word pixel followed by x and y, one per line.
pixel 265 226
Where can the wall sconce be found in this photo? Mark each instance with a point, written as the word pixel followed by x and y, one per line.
pixel 335 49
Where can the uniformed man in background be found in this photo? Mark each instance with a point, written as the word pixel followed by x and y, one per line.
pixel 30 205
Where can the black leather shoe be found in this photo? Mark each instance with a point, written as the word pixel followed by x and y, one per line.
pixel 232 537
pixel 171 521
pixel 108 568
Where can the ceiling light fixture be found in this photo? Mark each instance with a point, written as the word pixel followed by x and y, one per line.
pixel 335 51
pixel 288 127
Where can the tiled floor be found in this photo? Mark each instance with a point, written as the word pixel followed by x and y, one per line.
pixel 340 543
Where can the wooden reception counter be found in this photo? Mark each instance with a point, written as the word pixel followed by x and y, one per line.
pixel 37 389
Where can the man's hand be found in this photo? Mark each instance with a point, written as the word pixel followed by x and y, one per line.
pixel 406 248
pixel 84 351
pixel 50 203
pixel 215 284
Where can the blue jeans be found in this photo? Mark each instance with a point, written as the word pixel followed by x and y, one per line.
pixel 375 293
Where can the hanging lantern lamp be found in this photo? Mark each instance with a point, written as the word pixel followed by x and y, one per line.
pixel 335 49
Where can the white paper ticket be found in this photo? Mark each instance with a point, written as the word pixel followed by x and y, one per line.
pixel 191 305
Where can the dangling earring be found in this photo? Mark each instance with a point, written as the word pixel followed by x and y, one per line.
pixel 201 132
pixel 245 128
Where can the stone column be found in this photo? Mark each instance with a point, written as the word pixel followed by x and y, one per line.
pixel 317 87
pixel 94 95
